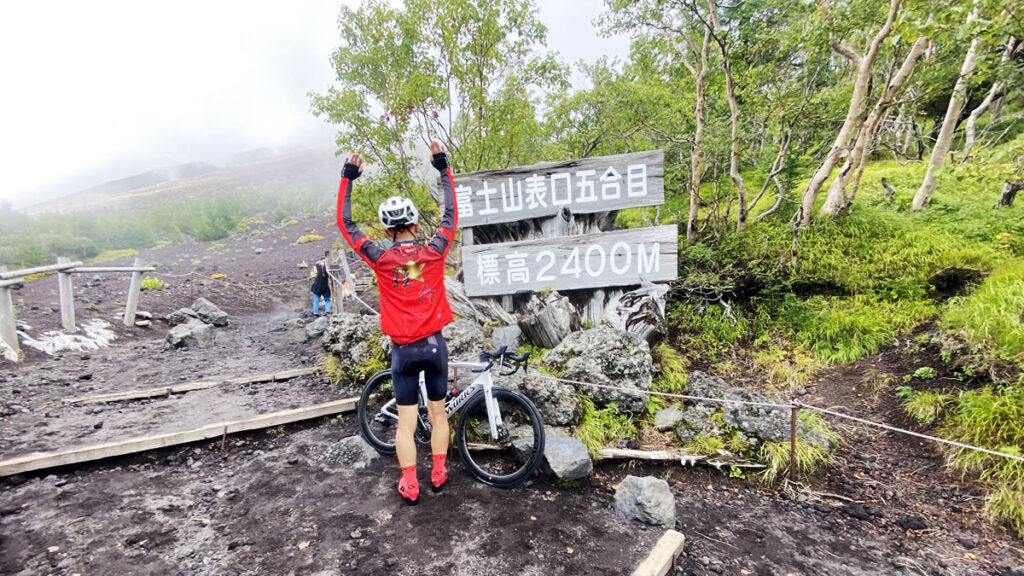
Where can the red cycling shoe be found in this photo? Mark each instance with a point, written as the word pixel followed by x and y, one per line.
pixel 439 473
pixel 408 486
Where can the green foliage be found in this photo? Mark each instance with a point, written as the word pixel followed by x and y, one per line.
pixel 776 457
pixel 307 238
pixel 904 392
pixel 151 283
pixel 926 407
pixel 672 378
pixel 598 428
pixel 924 373
pixel 275 431
pixel 992 418
pixel 330 366
pixel 990 316
pixel 705 444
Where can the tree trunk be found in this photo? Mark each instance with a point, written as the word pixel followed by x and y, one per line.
pixel 734 118
pixel 698 135
pixel 837 195
pixel 993 94
pixel 945 139
pixel 1009 193
pixel 547 320
pixel 854 115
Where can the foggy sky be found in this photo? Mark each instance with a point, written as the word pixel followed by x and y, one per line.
pixel 104 89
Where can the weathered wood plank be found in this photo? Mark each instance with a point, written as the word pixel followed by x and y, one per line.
pixel 653 455
pixel 11 282
pixel 664 554
pixel 589 185
pixel 599 260
pixel 109 269
pixel 40 461
pixel 38 269
pixel 188 387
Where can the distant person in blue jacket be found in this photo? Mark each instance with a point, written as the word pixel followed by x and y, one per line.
pixel 321 287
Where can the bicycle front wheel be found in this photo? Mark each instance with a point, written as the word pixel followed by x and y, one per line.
pixel 378 413
pixel 511 457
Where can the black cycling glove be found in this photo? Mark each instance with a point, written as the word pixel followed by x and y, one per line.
pixel 350 171
pixel 440 161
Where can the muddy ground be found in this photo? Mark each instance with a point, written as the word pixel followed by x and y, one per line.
pixel 269 503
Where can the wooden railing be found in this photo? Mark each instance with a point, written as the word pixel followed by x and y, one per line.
pixel 64 269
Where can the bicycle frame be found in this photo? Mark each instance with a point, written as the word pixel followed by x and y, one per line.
pixel 452 405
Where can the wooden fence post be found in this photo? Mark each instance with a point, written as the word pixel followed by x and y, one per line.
pixel 67 297
pixel 8 328
pixel 133 295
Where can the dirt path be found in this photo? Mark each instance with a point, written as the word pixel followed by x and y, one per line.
pixel 269 504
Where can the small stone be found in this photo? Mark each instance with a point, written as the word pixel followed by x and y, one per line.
pixel 356 534
pixel 98 425
pixel 969 543
pixel 912 523
pixel 85 376
pixel 857 511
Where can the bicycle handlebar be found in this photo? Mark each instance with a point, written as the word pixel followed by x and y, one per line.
pixel 506 360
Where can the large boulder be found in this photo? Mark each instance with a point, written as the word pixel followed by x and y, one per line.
pixel 507 336
pixel 209 313
pixel 465 340
pixel 352 452
pixel 755 424
pixel 316 328
pixel 355 339
pixel 556 401
pixel 566 458
pixel 646 499
pixel 606 357
pixel 180 316
pixel 193 334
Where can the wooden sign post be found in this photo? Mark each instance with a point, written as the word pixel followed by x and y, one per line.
pixel 601 260
pixel 67 297
pixel 561 251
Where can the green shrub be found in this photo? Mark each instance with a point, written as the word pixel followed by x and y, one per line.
pixel 309 238
pixel 990 317
pixel 927 407
pixel 151 283
pixel 992 418
pixel 598 428
pixel 672 378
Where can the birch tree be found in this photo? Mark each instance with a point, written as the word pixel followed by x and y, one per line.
pixel 837 198
pixel 855 114
pixel 970 131
pixel 956 103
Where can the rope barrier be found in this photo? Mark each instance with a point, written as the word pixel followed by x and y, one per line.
pixel 354 295
pixel 667 394
pixel 908 432
pixel 787 406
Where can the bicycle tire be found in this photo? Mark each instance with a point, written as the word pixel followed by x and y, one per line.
pixel 516 455
pixel 378 432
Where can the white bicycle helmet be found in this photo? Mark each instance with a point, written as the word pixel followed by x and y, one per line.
pixel 397 212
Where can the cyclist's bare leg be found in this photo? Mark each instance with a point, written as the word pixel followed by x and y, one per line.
pixel 405 444
pixel 439 422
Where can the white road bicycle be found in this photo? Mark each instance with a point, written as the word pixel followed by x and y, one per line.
pixel 499 435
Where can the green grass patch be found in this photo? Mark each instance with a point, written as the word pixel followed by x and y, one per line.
pixel 307 238
pixel 598 428
pixel 150 283
pixel 990 318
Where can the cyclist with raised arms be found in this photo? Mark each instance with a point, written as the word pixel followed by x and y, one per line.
pixel 413 310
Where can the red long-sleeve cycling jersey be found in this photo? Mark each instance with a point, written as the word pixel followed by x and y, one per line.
pixel 410 275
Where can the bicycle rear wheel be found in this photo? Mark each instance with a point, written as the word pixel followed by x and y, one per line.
pixel 378 413
pixel 511 458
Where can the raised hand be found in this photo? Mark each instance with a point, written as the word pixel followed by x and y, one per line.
pixel 436 147
pixel 353 167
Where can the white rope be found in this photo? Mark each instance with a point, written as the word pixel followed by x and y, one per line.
pixel 908 432
pixel 353 292
pixel 666 394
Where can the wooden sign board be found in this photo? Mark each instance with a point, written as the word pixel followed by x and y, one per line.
pixel 599 184
pixel 600 260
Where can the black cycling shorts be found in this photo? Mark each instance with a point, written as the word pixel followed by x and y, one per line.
pixel 428 355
